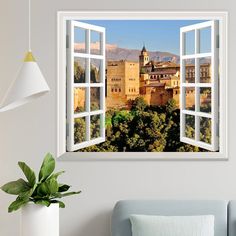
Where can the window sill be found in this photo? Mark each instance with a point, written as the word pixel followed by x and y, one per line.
pixel 138 156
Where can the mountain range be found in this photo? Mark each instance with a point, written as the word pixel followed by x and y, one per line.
pixel 133 55
pixel 113 52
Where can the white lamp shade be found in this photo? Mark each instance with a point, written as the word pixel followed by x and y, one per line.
pixel 28 85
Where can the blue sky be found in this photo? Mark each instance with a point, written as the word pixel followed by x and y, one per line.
pixel 157 35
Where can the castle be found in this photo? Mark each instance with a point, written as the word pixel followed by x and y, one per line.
pixel 156 81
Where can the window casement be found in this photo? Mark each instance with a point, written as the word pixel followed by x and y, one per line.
pixel 203 100
pixel 199 119
pixel 86 79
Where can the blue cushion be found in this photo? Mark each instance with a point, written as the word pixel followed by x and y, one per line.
pixel 121 223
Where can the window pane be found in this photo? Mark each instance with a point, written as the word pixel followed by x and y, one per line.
pixel 80 70
pixel 95 43
pixel 95 71
pixel 189 70
pixel 80 40
pixel 79 100
pixel 190 98
pixel 79 130
pixel 95 99
pixel 95 126
pixel 205 40
pixel 205 100
pixel 205 70
pixel 189 47
pixel 205 130
pixel 190 126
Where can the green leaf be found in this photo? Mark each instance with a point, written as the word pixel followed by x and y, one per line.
pixel 17 204
pixel 61 195
pixel 29 173
pixel 16 187
pixel 47 167
pixel 43 202
pixel 61 204
pixel 50 186
pixel 27 194
pixel 55 176
pixel 63 188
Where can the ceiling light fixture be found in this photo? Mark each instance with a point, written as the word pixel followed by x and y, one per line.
pixel 29 83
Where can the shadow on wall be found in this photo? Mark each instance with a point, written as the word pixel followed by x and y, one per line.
pixel 98 225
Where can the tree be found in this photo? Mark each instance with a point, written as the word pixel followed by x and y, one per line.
pixel 94 74
pixel 142 71
pixel 79 130
pixel 95 126
pixel 144 129
pixel 171 106
pixel 138 104
pixel 79 73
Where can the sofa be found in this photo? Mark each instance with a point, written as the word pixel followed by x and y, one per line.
pixel 223 211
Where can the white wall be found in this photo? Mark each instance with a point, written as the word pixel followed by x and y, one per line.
pixel 27 133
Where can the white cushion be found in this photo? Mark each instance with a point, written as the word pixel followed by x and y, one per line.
pixel 149 225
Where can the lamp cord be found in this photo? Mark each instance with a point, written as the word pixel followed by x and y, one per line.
pixel 29 25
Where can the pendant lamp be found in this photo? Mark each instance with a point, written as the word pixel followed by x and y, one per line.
pixel 29 83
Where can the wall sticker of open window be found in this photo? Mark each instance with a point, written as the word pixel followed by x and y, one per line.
pixel 85 85
pixel 199 68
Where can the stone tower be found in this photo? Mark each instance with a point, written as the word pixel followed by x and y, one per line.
pixel 143 57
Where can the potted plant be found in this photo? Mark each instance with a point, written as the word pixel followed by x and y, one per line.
pixel 39 199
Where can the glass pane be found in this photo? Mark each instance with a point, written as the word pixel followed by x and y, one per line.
pixel 95 71
pixel 80 70
pixel 79 100
pixel 80 40
pixel 190 98
pixel 189 47
pixel 205 130
pixel 189 70
pixel 95 126
pixel 79 130
pixel 205 70
pixel 190 126
pixel 205 40
pixel 205 100
pixel 95 43
pixel 95 99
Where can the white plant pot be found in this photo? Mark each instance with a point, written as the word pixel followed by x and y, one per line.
pixel 37 220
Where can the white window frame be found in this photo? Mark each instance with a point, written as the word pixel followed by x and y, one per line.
pixel 63 16
pixel 214 84
pixel 71 85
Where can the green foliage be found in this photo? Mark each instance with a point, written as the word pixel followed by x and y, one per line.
pixel 142 71
pixel 16 187
pixel 95 126
pixel 29 174
pixel 138 104
pixel 94 74
pixel 145 128
pixel 171 106
pixel 79 129
pixel 47 167
pixel 79 73
pixel 44 192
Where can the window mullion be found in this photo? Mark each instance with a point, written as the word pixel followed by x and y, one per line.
pixel 197 89
pixel 182 89
pixel 215 92
pixel 88 64
pixel 102 95
pixel 70 87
